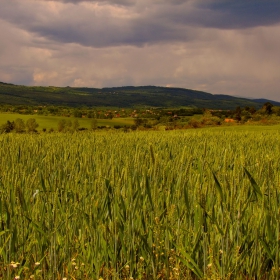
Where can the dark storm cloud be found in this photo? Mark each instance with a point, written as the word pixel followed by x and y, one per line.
pixel 225 47
pixel 240 14
pixel 78 24
pixel 144 22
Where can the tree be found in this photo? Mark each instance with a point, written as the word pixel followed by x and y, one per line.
pixel 31 125
pixel 76 125
pixel 267 108
pixel 194 123
pixel 68 126
pixel 237 115
pixel 77 113
pixel 139 121
pixel 19 125
pixel 7 127
pixel 276 110
pixel 61 125
pixel 252 110
pixel 91 114
pixel 93 124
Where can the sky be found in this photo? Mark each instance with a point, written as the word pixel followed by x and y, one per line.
pixel 217 46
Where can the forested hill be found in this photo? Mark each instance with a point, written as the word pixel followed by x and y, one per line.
pixel 128 96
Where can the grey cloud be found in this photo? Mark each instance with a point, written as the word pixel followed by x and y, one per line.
pixel 82 26
pixel 240 14
pixel 204 45
pixel 121 2
pixel 143 23
pixel 223 65
pixel 113 2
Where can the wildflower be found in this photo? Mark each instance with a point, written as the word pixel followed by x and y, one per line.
pixel 127 267
pixel 17 277
pixel 76 268
pixel 37 263
pixel 141 259
pixel 13 264
pixel 209 265
pixel 32 276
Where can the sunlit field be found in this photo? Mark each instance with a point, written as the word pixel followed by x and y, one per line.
pixel 190 204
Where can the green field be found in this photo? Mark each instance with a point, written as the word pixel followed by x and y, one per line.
pixel 192 204
pixel 243 128
pixel 48 122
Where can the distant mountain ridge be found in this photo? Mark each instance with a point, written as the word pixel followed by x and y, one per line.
pixel 127 96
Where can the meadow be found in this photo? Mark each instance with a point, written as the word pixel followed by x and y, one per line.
pixel 48 122
pixel 189 204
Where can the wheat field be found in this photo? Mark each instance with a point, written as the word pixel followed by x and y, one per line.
pixel 141 205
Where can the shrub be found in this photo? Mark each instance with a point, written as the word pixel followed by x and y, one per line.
pixel 7 127
pixel 19 125
pixel 31 125
pixel 194 123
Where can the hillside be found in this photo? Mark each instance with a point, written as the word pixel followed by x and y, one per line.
pixel 128 96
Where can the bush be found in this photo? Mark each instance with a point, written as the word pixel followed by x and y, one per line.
pixel 194 123
pixel 7 127
pixel 61 125
pixel 93 124
pixel 216 120
pixel 76 125
pixel 19 125
pixel 31 125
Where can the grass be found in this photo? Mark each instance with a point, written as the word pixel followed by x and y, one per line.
pixel 243 128
pixel 193 204
pixel 52 121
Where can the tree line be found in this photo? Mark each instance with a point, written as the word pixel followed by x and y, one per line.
pixel 20 126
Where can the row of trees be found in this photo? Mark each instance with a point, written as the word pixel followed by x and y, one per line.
pixel 68 125
pixel 98 113
pixel 64 125
pixel 246 113
pixel 20 126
